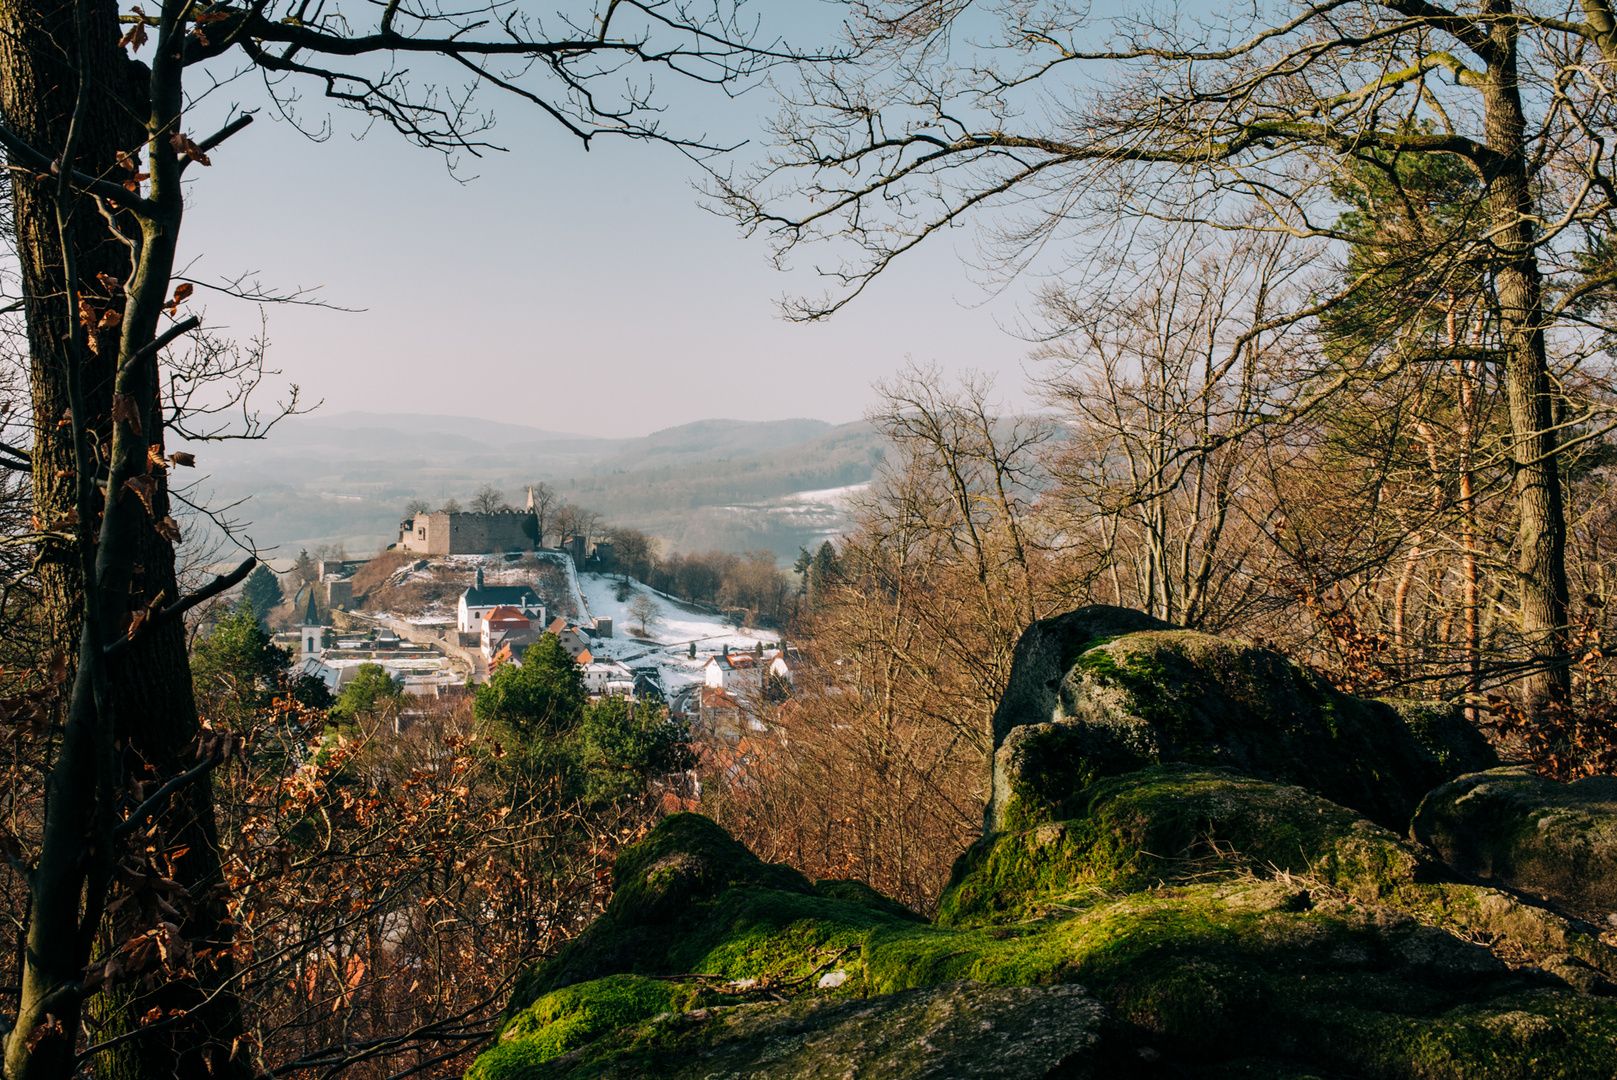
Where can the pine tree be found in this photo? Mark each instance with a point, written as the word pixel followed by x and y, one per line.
pixel 823 572
pixel 263 591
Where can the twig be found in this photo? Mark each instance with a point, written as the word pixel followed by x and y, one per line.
pixel 180 607
pixel 151 805
pixel 161 341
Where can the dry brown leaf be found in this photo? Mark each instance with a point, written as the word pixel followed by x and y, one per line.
pixel 136 34
pixel 123 408
pixel 182 143
pixel 144 488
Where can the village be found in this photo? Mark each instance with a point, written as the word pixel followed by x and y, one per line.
pixel 472 591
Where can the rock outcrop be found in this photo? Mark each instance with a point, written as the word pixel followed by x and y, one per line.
pixel 1093 693
pixel 1181 885
pixel 1557 842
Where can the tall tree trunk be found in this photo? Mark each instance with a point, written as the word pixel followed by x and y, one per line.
pixel 150 691
pixel 1541 557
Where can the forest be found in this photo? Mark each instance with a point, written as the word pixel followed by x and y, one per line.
pixel 1321 361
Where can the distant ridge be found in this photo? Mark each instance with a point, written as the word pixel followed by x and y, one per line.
pixel 718 483
pixel 488 432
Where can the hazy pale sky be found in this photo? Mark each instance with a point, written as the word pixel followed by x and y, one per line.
pixel 575 291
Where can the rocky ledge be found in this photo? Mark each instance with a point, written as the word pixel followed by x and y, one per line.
pixel 1188 871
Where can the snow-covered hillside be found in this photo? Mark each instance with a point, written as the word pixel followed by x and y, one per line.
pixel 668 637
pixel 428 588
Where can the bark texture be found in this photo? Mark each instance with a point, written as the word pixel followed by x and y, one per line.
pixel 150 695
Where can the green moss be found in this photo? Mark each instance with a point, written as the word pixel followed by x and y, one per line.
pixel 1542 1035
pixel 857 892
pixel 571 1017
pixel 1178 695
pixel 1242 928
pixel 1075 646
pixel 1171 823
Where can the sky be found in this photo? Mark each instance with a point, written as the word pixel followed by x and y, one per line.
pixel 584 292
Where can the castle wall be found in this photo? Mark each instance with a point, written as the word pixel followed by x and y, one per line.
pixel 466 534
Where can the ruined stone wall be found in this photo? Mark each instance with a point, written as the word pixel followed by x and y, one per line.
pixel 467 534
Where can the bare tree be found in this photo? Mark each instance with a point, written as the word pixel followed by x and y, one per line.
pixel 545 503
pixel 1245 120
pixel 1156 372
pixel 646 611
pixel 487 499
pixel 574 520
pixel 99 147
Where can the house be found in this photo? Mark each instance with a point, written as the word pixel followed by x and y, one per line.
pixel 499 623
pixel 507 646
pixel 313 666
pixel 477 601
pixel 735 672
pixel 608 677
pixel 785 664
pixel 574 640
pixel 648 683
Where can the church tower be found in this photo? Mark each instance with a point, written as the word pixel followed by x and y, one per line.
pixel 311 632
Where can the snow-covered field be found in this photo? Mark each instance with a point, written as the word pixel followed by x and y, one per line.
pixel 668 637
pixel 837 496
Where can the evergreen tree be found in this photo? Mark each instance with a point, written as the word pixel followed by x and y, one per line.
pixel 543 697
pixel 823 572
pixel 237 664
pixel 262 590
pixel 804 562
pixel 622 745
pixel 311 690
pixel 372 689
pixel 304 571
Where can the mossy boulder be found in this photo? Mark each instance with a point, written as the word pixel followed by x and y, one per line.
pixel 1194 866
pixel 1556 841
pixel 1047 650
pixel 1126 701
pixel 944 1032
pixel 1180 921
pixel 690 900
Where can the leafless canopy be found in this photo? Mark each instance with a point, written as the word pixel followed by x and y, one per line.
pixel 591 67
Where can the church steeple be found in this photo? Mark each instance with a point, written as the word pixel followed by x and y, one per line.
pixel 310 634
